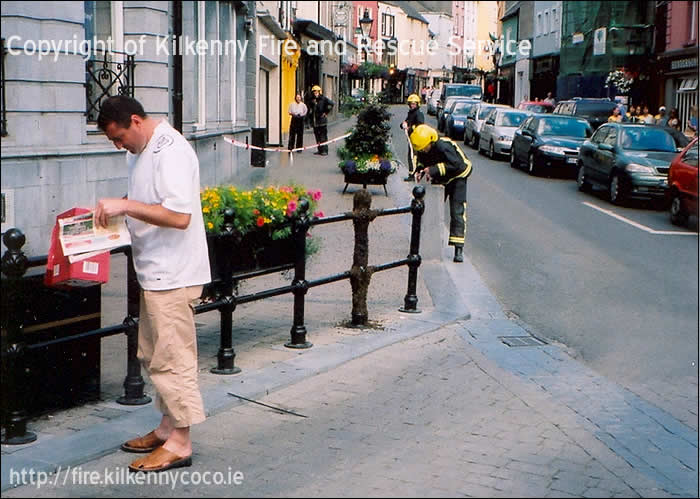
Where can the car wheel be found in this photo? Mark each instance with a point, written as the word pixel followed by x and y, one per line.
pixel 531 166
pixel 581 181
pixel 513 160
pixel 617 190
pixel 465 138
pixel 492 151
pixel 475 141
pixel 678 214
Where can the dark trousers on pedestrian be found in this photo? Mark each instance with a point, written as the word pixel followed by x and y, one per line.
pixel 296 133
pixel 456 192
pixel 321 134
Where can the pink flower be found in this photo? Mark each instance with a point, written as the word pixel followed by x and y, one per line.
pixel 316 195
pixel 319 214
pixel 291 206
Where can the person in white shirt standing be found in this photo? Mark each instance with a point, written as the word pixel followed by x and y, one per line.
pixel 164 217
pixel 297 111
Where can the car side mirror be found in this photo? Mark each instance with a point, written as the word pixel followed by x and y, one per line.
pixel 606 147
pixel 470 117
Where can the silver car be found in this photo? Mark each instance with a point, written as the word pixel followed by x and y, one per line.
pixel 433 99
pixel 475 120
pixel 499 127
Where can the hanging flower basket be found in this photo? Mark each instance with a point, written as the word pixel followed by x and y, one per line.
pixel 620 81
pixel 367 171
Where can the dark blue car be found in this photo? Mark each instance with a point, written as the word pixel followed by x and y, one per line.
pixel 549 141
pixel 457 118
pixel 629 160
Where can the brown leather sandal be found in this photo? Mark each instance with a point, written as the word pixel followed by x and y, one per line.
pixel 160 459
pixel 147 443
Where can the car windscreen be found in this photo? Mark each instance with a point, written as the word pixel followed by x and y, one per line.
pixel 536 108
pixel 564 127
pixel 463 91
pixel 483 111
pixel 462 107
pixel 595 110
pixel 647 139
pixel 511 119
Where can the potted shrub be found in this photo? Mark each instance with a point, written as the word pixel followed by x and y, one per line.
pixel 366 158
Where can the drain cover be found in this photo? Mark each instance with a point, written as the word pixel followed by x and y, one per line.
pixel 521 341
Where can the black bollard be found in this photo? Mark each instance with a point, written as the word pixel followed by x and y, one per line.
pixel 414 259
pixel 14 265
pixel 133 382
pixel 300 228
pixel 226 355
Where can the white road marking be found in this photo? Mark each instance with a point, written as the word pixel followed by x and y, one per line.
pixel 638 225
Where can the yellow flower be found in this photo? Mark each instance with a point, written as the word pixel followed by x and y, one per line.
pixel 210 225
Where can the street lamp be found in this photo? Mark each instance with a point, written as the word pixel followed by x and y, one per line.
pixel 366 27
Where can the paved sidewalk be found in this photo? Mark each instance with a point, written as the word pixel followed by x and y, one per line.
pixel 429 404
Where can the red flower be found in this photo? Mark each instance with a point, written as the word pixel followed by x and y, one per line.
pixel 260 221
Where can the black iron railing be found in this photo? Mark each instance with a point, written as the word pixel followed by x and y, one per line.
pixel 105 77
pixel 16 349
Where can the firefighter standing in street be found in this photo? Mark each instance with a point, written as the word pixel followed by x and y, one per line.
pixel 319 107
pixel 443 162
pixel 413 119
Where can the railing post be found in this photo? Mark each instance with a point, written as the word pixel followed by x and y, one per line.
pixel 14 265
pixel 133 382
pixel 226 355
pixel 300 228
pixel 360 273
pixel 414 259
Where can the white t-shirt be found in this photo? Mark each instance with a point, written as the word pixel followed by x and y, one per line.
pixel 166 172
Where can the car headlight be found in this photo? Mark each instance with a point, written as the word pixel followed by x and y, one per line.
pixel 635 168
pixel 504 138
pixel 552 150
pixel 459 122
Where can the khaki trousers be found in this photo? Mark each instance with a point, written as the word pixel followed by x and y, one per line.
pixel 168 352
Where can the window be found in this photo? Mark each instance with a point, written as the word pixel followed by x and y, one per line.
pixel 387 25
pixel 538 25
pixel 555 20
pixel 546 22
pixel 611 137
pixel 600 134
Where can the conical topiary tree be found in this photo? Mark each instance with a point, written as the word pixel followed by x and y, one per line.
pixel 371 134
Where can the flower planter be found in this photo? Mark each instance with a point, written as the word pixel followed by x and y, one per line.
pixel 254 251
pixel 372 177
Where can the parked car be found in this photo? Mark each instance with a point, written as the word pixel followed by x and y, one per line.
pixel 536 106
pixel 475 120
pixel 683 184
pixel 457 117
pixel 456 90
pixel 630 160
pixel 443 113
pixel 498 130
pixel 548 140
pixel 596 111
pixel 433 99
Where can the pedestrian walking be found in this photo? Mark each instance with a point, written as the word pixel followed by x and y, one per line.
pixel 413 119
pixel 164 216
pixel 615 117
pixel 661 118
pixel 691 128
pixel 443 162
pixel 673 120
pixel 297 110
pixel 550 100
pixel 320 106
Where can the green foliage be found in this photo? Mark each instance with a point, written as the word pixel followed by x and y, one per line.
pixel 371 134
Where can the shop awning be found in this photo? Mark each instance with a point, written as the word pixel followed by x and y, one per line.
pixel 688 85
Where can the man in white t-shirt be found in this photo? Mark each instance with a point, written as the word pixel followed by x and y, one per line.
pixel 164 217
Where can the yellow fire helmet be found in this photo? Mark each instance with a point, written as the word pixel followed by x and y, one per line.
pixel 316 87
pixel 422 136
pixel 413 98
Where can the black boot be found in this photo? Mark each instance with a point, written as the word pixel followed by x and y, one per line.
pixel 410 178
pixel 459 257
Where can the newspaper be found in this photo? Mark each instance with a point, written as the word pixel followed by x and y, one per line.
pixel 81 238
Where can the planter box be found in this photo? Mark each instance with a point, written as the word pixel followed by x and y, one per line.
pixel 372 177
pixel 255 251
